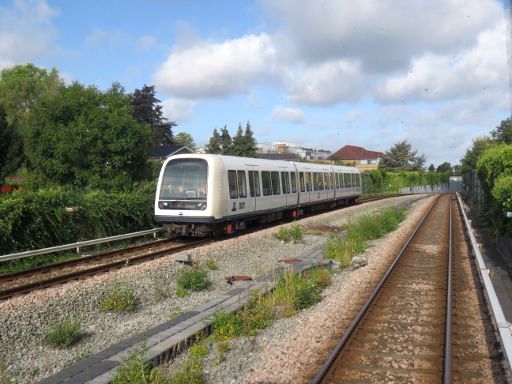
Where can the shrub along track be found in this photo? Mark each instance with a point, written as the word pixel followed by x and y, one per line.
pixel 419 325
pixel 75 269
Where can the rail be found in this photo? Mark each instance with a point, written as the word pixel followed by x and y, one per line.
pixel 79 244
pixel 497 312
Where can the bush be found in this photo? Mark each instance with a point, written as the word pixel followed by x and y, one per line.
pixel 367 227
pixel 193 279
pixel 212 265
pixel 293 233
pixel 226 326
pixel 136 370
pixel 190 372
pixel 32 220
pixel 63 334
pixel 120 297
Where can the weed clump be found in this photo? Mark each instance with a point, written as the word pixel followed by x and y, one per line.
pixel 63 334
pixel 120 297
pixel 293 233
pixel 212 265
pixel 193 279
pixel 368 227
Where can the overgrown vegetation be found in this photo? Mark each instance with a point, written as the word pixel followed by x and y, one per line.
pixel 367 227
pixel 49 217
pixel 192 279
pixel 120 297
pixel 381 181
pixel 292 294
pixel 293 233
pixel 63 334
pixel 212 265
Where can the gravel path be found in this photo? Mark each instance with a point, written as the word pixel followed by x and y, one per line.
pixel 24 320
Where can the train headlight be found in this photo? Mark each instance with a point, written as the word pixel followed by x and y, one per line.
pixel 163 204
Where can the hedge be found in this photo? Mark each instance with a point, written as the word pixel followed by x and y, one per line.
pixel 49 217
pixel 378 181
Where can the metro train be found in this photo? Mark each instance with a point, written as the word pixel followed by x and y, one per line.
pixel 200 195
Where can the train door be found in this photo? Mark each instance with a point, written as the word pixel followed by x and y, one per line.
pixel 238 199
pixel 285 187
pixel 254 187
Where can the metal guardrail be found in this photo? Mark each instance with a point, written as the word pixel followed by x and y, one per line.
pixel 497 312
pixel 79 244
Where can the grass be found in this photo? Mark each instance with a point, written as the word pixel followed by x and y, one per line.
pixel 63 334
pixel 193 279
pixel 120 297
pixel 293 233
pixel 136 370
pixel 212 265
pixel 367 227
pixel 161 288
pixel 292 294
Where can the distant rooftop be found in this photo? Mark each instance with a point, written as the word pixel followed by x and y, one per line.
pixel 353 152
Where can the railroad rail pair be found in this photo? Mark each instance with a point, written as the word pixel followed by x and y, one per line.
pixel 403 332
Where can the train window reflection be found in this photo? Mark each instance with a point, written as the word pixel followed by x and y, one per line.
pixel 233 190
pixel 185 179
pixel 242 184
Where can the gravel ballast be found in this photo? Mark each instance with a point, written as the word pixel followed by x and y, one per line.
pixel 25 320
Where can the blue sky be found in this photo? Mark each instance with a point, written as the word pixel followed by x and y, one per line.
pixel 319 73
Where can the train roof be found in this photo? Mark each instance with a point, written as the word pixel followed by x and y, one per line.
pixel 260 162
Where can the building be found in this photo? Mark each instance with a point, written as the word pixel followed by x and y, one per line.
pixel 162 152
pixel 362 158
pixel 300 151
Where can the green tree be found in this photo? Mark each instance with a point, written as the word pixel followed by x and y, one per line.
pixel 21 87
pixel 185 139
pixel 10 147
pixel 456 170
pixel 215 143
pixel 238 143
pixel 470 159
pixel 250 142
pixel 226 144
pixel 503 132
pixel 401 157
pixel 431 168
pixel 445 167
pixel 85 137
pixel 147 110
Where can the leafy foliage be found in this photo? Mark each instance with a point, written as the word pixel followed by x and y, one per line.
pixel 11 147
pixel 120 297
pixel 193 279
pixel 31 220
pixel 401 157
pixel 243 144
pixel 185 139
pixel 85 137
pixel 63 334
pixel 444 167
pixel 503 132
pixel 380 181
pixel 147 110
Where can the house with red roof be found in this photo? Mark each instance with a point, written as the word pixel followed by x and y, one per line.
pixel 360 157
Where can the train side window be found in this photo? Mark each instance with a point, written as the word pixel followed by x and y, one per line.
pixel 242 184
pixel 327 177
pixel 345 180
pixel 314 181
pixel 294 182
pixel 358 182
pixel 319 181
pixel 267 184
pixel 254 183
pixel 338 181
pixel 351 180
pixel 301 180
pixel 285 180
pixel 276 190
pixel 309 181
pixel 233 190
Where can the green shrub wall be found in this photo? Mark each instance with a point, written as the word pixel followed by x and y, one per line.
pixel 380 181
pixel 32 220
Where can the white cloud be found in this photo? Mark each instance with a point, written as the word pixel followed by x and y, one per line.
pixel 178 110
pixel 481 68
pixel 145 43
pixel 324 84
pixel 291 115
pixel 382 34
pixel 26 32
pixel 217 69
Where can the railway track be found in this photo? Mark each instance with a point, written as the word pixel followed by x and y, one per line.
pixel 23 282
pixel 424 322
pixel 43 277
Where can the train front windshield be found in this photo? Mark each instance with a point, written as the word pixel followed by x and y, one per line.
pixel 185 180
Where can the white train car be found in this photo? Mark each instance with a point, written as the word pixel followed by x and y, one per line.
pixel 212 194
